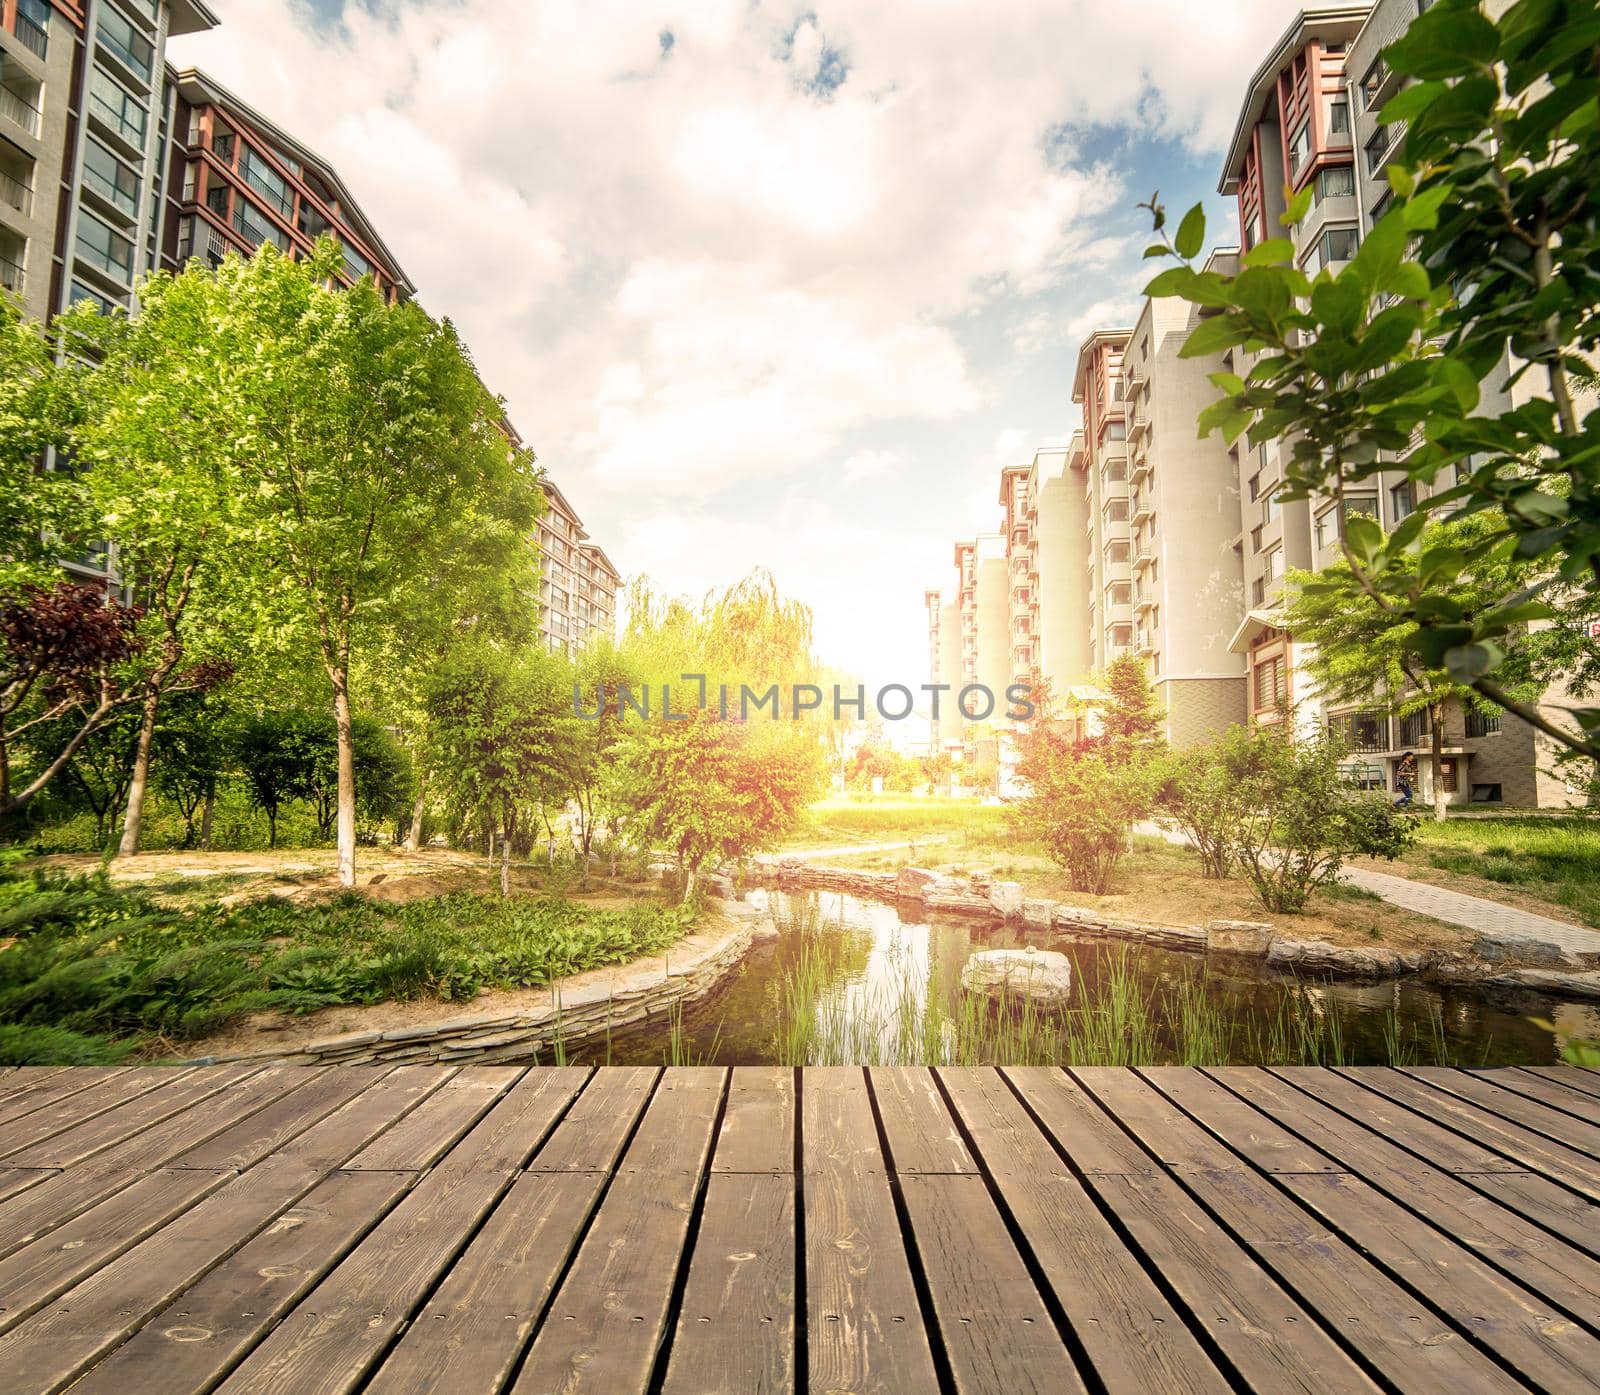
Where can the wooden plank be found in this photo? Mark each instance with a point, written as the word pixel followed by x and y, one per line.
pixel 1133 1337
pixel 1434 1144
pixel 1530 1114
pixel 736 1327
pixel 73 1108
pixel 158 1145
pixel 1508 1240
pixel 1534 1151
pixel 336 1136
pixel 921 1133
pixel 427 1133
pixel 62 1340
pixel 593 1133
pixel 1097 1147
pixel 1403 1338
pixel 199 1337
pixel 1525 1330
pixel 1586 1080
pixel 333 1337
pixel 18 1179
pixel 472 1331
pixel 317 1095
pixel 53 1084
pixel 1554 1093
pixel 1261 1141
pixel 757 1133
pixel 864 1327
pixel 48 1267
pixel 518 1123
pixel 1575 1219
pixel 995 1330
pixel 610 1313
pixel 182 1095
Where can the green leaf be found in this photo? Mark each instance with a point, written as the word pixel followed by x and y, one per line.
pixel 1212 336
pixel 1272 252
pixel 1298 206
pixel 1406 103
pixel 1445 42
pixel 1440 566
pixel 1408 280
pixel 1364 538
pixel 1191 234
pixel 1467 662
pixel 1422 210
pixel 1156 249
pixel 1228 382
pixel 1461 381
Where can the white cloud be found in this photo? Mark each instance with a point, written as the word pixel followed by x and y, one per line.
pixel 708 268
pixel 866 465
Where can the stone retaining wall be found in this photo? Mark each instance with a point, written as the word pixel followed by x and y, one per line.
pixel 580 1009
pixel 981 897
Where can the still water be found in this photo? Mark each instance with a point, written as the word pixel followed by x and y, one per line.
pixel 878 969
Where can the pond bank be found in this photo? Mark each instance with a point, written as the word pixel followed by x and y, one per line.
pixel 517 1025
pixel 1489 960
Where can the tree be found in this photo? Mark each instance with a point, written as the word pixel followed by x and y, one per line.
pixel 278 752
pixel 499 726
pixel 374 482
pixel 194 746
pixel 713 791
pixel 1200 794
pixel 1130 720
pixel 1298 819
pixel 599 676
pixel 40 510
pixel 61 678
pixel 1486 270
pixel 101 768
pixel 1082 802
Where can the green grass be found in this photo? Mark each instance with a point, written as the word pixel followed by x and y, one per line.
pixel 887 819
pixel 1554 859
pixel 115 969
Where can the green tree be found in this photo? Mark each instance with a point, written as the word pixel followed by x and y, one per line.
pixel 1486 270
pixel 1199 794
pixel 499 728
pixel 1130 720
pixel 710 791
pixel 196 744
pixel 376 487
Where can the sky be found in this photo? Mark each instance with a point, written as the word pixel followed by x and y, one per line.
pixel 778 285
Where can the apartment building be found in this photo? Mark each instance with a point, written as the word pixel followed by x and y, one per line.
pixel 1183 513
pixel 1100 469
pixel 1056 514
pixel 1309 120
pixel 578 583
pixel 84 116
pixel 237 181
pixel 944 666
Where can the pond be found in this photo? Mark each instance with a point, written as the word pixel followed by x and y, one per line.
pixel 847 981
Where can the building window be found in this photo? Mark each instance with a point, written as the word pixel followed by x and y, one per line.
pixel 1339 118
pixel 1363 504
pixel 266 181
pixel 127 44
pixel 1447 775
pixel 1255 538
pixel 110 178
pixel 1273 563
pixel 104 304
pixel 1377 149
pixel 1117 551
pixel 1402 500
pixel 1372 82
pixel 1325 529
pixel 121 111
pixel 104 247
pixel 1486 794
pixel 33 25
pixel 1414 729
pixel 1271 685
pixel 1116 430
pixel 1117 511
pixel 222 143
pixel 255 226
pixel 1272 508
pixel 1258 591
pixel 1338 245
pixel 1121 593
pixel 1299 148
pixel 217 197
pixel 1381 206
pixel 357 265
pixel 1481 723
pixel 1255 486
pixel 1336 182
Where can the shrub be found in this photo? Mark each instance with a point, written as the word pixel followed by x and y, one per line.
pixel 1199 795
pixel 1299 818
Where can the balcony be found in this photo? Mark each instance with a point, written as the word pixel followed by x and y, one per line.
pixel 1144 554
pixel 19 109
pixel 1143 601
pixel 1143 507
pixel 1141 469
pixel 1138 426
pixel 15 193
pixel 1361 731
pixel 1144 642
pixel 11 274
pixel 31 29
pixel 1415 730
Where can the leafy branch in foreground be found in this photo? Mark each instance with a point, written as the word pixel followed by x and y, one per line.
pixel 1482 281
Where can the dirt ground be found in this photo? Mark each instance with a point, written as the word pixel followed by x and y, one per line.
pixel 1163 885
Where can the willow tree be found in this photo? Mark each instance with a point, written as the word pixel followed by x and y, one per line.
pixel 376 489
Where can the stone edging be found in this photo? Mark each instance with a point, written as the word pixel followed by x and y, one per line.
pixel 581 1008
pixel 982 898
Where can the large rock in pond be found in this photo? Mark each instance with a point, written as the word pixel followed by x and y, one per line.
pixel 1006 897
pixel 1044 975
pixel 913 882
pixel 1238 936
pixel 1340 961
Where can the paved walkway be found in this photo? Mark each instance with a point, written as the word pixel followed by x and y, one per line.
pixel 1453 907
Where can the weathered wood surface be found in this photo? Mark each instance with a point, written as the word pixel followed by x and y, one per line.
pixel 496 1230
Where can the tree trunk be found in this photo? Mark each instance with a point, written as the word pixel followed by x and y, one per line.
pixel 207 811
pixel 691 879
pixel 133 820
pixel 505 864
pixel 414 833
pixel 346 815
pixel 1441 797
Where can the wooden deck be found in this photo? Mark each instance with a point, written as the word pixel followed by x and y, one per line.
pixel 489 1229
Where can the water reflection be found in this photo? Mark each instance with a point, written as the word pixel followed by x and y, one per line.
pixel 872 973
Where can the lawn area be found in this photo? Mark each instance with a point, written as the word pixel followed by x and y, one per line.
pixel 1549 864
pixel 93 972
pixel 891 819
